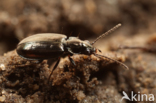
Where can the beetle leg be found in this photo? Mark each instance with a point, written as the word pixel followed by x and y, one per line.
pixel 40 61
pixel 71 60
pixel 54 68
pixel 69 50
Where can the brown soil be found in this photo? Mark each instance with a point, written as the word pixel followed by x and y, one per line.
pixel 93 79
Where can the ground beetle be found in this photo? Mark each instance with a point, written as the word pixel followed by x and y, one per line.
pixel 52 45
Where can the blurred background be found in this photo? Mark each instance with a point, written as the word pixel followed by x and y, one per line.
pixel 90 18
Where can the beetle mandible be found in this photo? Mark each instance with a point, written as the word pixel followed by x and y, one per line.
pixel 51 45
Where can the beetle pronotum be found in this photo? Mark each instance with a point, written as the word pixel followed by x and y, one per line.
pixel 52 45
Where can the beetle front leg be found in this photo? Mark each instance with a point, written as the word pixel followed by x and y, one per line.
pixel 70 51
pixel 71 60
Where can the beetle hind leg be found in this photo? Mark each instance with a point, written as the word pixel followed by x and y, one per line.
pixel 54 69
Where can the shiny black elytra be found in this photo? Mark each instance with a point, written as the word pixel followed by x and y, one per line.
pixel 52 45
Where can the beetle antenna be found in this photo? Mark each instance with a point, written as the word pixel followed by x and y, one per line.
pixel 122 64
pixel 106 33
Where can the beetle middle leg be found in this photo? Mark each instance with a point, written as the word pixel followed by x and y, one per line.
pixel 54 68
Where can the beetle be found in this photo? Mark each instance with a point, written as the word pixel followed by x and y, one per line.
pixel 51 45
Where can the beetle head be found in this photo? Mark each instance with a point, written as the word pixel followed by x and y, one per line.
pixel 77 46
